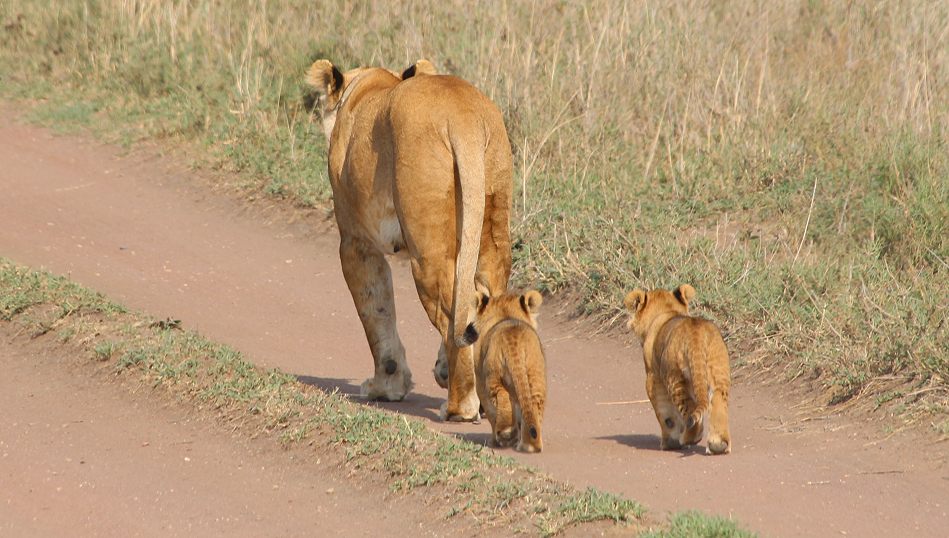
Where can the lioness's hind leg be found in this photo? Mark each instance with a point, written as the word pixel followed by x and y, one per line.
pixel 494 258
pixel 463 403
pixel 370 283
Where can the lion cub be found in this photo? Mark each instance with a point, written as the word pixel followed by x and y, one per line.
pixel 687 370
pixel 510 369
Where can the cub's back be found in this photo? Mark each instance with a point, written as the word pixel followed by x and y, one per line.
pixel 694 338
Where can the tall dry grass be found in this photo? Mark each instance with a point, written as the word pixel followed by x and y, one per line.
pixel 787 158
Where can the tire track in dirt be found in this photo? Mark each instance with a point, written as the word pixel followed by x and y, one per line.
pixel 149 234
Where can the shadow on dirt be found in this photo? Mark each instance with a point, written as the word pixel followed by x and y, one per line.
pixel 478 438
pixel 642 441
pixel 331 384
pixel 417 405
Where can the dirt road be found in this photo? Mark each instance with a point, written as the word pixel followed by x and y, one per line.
pixel 146 232
pixel 81 456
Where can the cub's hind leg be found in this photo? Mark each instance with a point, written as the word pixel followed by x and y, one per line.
pixel 503 428
pixel 370 284
pixel 670 421
pixel 496 402
pixel 719 436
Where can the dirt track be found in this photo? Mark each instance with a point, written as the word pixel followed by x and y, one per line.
pixel 82 457
pixel 145 232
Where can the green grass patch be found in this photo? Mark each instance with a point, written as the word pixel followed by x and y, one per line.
pixel 699 525
pixel 788 160
pixel 593 505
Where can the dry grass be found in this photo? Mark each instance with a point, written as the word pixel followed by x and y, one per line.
pixel 787 158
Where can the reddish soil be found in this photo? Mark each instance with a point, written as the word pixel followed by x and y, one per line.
pixel 82 456
pixel 155 237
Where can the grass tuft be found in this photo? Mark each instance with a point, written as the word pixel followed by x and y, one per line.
pixel 593 505
pixel 699 525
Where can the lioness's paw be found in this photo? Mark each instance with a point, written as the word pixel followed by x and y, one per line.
pixel 386 390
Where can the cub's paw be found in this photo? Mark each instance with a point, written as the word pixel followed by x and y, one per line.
pixel 505 438
pixel 458 417
pixel 717 445
pixel 440 371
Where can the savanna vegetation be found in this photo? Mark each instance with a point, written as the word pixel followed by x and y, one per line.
pixel 789 159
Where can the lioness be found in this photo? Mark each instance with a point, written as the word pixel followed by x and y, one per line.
pixel 421 165
pixel 511 370
pixel 686 366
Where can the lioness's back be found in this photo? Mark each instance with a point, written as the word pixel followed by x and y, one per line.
pixel 448 102
pixel 435 95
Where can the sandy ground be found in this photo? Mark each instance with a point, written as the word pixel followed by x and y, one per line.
pixel 82 456
pixel 153 236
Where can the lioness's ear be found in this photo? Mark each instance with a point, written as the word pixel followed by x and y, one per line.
pixel 634 300
pixel 531 302
pixel 421 67
pixel 684 294
pixel 324 77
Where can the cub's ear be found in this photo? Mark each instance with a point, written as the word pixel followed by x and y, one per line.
pixel 421 67
pixel 531 302
pixel 324 77
pixel 483 297
pixel 635 300
pixel 685 293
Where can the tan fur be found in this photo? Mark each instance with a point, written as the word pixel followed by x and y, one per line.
pixel 420 166
pixel 686 367
pixel 511 369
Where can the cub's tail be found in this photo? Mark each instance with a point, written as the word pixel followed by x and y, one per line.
pixel 530 395
pixel 698 367
pixel 689 388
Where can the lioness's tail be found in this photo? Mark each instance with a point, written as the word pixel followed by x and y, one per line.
pixel 469 157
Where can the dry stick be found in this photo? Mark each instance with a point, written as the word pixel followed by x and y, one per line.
pixel 708 127
pixel 894 471
pixel 940 260
pixel 809 211
pixel 655 141
pixel 528 169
